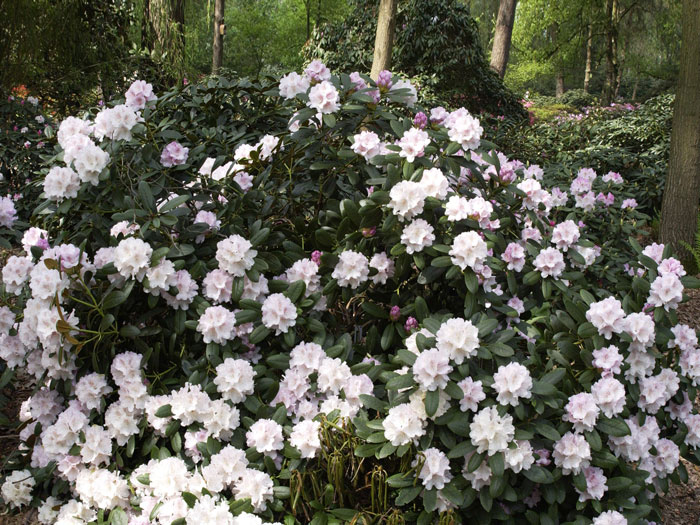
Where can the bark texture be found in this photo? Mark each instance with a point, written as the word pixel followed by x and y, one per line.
pixel 589 59
pixel 679 211
pixel 219 27
pixel 611 70
pixel 560 84
pixel 384 40
pixel 501 39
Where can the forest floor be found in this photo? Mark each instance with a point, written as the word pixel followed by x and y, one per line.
pixel 681 506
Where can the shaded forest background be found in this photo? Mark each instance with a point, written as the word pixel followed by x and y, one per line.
pixel 77 52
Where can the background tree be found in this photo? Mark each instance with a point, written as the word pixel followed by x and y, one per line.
pixel 384 41
pixel 679 210
pixel 436 43
pixel 501 40
pixel 219 28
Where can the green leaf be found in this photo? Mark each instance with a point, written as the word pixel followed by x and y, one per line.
pixel 258 334
pixel 114 299
pixel 164 411
pixel 146 196
pixel 543 389
pixel 374 310
pixel 539 475
pixel 554 377
pixel 587 330
pixel 432 401
pixel 497 464
pixel 295 291
pixel 118 517
pixel 400 382
pixel 421 308
pixel 613 427
pixel 407 495
pixel 174 203
pixel 546 429
pixel 189 498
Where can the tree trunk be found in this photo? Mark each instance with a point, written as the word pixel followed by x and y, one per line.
pixel 679 211
pixel 219 29
pixel 177 12
pixel 147 27
pixel 501 39
pixel 384 40
pixel 634 89
pixel 611 14
pixel 589 59
pixel 560 84
pixel 307 6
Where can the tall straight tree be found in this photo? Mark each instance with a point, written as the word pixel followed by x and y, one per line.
pixel 679 210
pixel 501 38
pixel 384 40
pixel 219 29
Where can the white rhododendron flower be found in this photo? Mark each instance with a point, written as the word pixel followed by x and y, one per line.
pixel 582 411
pixel 324 98
pixel 417 235
pixel 132 257
pixel 293 84
pixel 572 453
pixel 402 425
pixel 512 382
pixel 431 369
pixel 610 517
pixel 459 338
pixel 17 488
pixel 367 144
pixel 607 316
pixel 435 470
pixel 305 437
pixel 217 324
pixel 407 199
pixel 352 269
pixel 468 250
pixel 61 183
pixel 490 432
pixel 279 313
pixel 235 255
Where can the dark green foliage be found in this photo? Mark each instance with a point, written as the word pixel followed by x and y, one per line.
pixel 23 144
pixel 577 98
pixel 436 40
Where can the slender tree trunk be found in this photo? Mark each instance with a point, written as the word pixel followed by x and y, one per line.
pixel 611 14
pixel 177 11
pixel 147 27
pixel 679 211
pixel 384 40
pixel 501 40
pixel 634 89
pixel 560 84
pixel 318 13
pixel 307 5
pixel 618 80
pixel 219 29
pixel 589 58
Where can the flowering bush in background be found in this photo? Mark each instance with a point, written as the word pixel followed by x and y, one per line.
pixel 302 302
pixel 26 132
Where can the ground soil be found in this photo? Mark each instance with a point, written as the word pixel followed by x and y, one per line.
pixel 681 506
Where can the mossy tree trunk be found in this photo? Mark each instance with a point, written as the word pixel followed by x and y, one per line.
pixel 679 210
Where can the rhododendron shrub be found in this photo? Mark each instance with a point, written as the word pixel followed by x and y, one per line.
pixel 335 311
pixel 25 136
